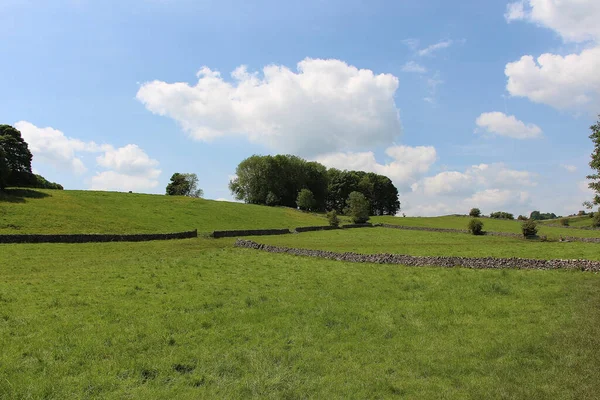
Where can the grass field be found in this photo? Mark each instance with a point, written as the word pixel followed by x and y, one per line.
pixel 421 243
pixel 73 211
pixel 489 224
pixel 200 319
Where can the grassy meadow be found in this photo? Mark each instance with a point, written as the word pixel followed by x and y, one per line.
pixel 198 318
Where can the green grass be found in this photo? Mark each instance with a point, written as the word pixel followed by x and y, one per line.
pixel 575 222
pixel 72 211
pixel 200 319
pixel 489 224
pixel 421 243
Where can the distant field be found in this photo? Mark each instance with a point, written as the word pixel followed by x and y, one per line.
pixel 200 319
pixel 489 224
pixel 421 243
pixel 72 211
pixel 576 222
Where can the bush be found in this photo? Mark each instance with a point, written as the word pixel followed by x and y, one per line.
pixel 529 228
pixel 596 220
pixel 333 219
pixel 475 212
pixel 306 200
pixel 475 227
pixel 502 215
pixel 358 207
pixel 564 221
pixel 522 218
pixel 581 213
pixel 272 199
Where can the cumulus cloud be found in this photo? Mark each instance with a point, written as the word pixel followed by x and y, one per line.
pixel 497 199
pixel 561 81
pixel 412 66
pixel 501 124
pixel 112 180
pixel 50 146
pixel 129 168
pixel 405 165
pixel 574 21
pixel 325 106
pixel 435 47
pixel 570 168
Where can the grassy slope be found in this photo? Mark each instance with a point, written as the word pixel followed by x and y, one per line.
pixel 199 319
pixel 489 224
pixel 419 243
pixel 577 222
pixel 111 212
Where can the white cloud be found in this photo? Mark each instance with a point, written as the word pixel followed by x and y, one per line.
pixel 50 146
pixel 498 199
pixel 112 180
pixel 130 168
pixel 435 47
pixel 574 20
pixel 570 168
pixel 504 125
pixel 326 106
pixel 411 43
pixel 405 166
pixel 561 81
pixel 412 66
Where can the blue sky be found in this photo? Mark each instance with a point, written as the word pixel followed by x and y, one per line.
pixel 434 94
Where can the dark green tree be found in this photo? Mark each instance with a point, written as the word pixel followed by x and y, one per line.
pixel 306 200
pixel 475 212
pixel 595 162
pixel 15 159
pixel 179 185
pixel 357 207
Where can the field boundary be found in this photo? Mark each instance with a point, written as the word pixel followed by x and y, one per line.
pixel 96 238
pixel 249 232
pixel 430 261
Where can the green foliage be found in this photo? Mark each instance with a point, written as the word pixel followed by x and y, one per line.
pixel 502 215
pixel 529 228
pixel 357 207
pixel 184 185
pixel 475 213
pixel 42 183
pixel 272 199
pixel 522 218
pixel 332 218
pixel 596 220
pixel 564 221
pixel 475 227
pixel 306 200
pixel 595 162
pixel 15 158
pixel 286 175
pixel 538 216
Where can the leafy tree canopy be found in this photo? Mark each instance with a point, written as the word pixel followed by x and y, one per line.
pixel 595 162
pixel 184 185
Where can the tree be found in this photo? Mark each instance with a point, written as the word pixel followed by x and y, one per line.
pixel 475 212
pixel 184 185
pixel 595 162
pixel 475 227
pixel 306 200
pixel 333 219
pixel 272 199
pixel 15 158
pixel 529 228
pixel 357 207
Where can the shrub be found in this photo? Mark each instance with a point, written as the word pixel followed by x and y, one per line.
pixel 358 207
pixel 502 215
pixel 475 227
pixel 306 200
pixel 333 219
pixel 522 218
pixel 272 199
pixel 564 221
pixel 596 220
pixel 475 212
pixel 581 213
pixel 529 228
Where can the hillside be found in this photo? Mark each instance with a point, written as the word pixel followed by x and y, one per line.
pixel 74 211
pixel 489 224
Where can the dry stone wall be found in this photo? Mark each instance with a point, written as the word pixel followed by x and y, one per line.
pixel 423 261
pixel 95 238
pixel 251 232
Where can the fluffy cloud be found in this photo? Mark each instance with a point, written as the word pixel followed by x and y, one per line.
pixel 497 199
pixel 504 125
pixel 564 82
pixel 570 168
pixel 435 47
pixel 130 168
pixel 50 146
pixel 326 106
pixel 412 66
pixel 574 21
pixel 405 166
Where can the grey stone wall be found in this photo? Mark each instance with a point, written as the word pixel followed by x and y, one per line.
pixel 95 238
pixel 251 232
pixel 422 261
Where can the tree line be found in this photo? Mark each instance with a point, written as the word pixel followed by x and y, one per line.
pixel 278 181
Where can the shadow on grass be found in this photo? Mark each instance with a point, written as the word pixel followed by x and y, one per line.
pixel 19 195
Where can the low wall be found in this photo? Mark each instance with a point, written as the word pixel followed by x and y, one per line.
pixel 315 228
pixel 252 232
pixel 367 225
pixel 95 238
pixel 423 261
